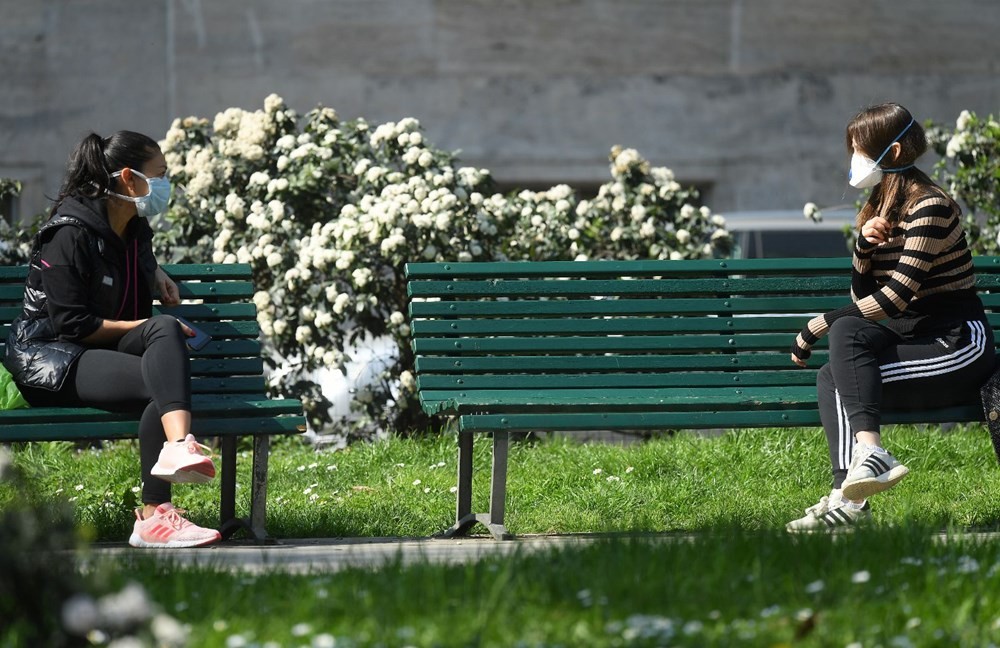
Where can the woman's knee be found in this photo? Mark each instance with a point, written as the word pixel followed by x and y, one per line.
pixel 847 327
pixel 163 326
pixel 854 333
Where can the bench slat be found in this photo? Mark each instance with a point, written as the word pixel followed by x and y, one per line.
pixel 202 405
pixel 228 348
pixel 609 287
pixel 694 398
pixel 211 311
pixel 693 267
pixel 187 290
pixel 615 380
pixel 227 366
pixel 522 269
pixel 598 344
pixel 201 427
pixel 566 421
pixel 208 271
pixel 242 318
pixel 222 330
pixel 542 364
pixel 619 325
pixel 672 306
pixel 607 326
pixel 212 290
pixel 227 385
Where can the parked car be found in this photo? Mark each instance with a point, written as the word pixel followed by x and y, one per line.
pixel 787 233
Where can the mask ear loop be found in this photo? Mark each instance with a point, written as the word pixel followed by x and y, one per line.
pixel 898 137
pixel 149 189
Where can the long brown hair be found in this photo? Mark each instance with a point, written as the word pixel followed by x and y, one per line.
pixel 873 130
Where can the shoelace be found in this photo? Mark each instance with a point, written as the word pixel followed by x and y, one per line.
pixel 820 507
pixel 194 448
pixel 175 519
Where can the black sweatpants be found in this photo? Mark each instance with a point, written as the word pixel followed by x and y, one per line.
pixel 148 371
pixel 873 368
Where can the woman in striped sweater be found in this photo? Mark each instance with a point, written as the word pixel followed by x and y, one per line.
pixel 915 335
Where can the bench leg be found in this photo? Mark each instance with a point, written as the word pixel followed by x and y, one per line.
pixel 498 487
pixel 465 519
pixel 258 492
pixel 255 525
pixel 227 500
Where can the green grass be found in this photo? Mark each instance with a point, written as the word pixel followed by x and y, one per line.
pixel 755 479
pixel 897 586
pixel 728 575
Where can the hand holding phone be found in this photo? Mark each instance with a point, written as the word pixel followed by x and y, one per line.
pixel 200 338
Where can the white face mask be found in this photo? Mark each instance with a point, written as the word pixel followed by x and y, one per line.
pixel 866 173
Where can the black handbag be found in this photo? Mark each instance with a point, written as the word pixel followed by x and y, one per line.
pixel 990 393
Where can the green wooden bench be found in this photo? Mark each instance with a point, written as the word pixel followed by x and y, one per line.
pixel 636 345
pixel 228 390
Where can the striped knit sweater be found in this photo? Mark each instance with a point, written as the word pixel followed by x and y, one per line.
pixel 926 255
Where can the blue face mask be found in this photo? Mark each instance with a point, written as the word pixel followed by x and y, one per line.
pixel 153 203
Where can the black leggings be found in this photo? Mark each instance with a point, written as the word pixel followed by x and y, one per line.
pixel 149 371
pixel 873 368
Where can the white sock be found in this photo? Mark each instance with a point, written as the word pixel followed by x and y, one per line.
pixel 873 448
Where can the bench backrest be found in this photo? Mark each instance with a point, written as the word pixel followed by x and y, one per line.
pixel 219 301
pixel 608 324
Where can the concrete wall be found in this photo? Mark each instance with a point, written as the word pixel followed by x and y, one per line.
pixel 747 97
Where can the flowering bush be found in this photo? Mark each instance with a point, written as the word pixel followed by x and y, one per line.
pixel 328 212
pixel 15 242
pixel 970 170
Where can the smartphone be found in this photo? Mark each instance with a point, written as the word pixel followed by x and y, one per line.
pixel 200 339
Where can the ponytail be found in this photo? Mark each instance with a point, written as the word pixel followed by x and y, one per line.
pixel 88 173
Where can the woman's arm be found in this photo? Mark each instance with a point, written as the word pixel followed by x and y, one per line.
pixel 166 288
pixel 873 233
pixel 111 331
pixel 924 232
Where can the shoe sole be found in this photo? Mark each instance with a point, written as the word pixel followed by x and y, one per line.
pixel 136 541
pixel 865 488
pixel 827 529
pixel 199 473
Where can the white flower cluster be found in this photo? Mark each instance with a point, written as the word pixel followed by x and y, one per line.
pixel 812 212
pixel 328 213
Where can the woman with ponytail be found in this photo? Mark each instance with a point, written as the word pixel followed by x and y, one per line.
pixel 87 336
pixel 915 336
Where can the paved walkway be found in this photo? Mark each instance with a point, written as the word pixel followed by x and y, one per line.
pixel 329 555
pixel 326 555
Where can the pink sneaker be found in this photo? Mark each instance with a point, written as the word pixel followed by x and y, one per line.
pixel 168 529
pixel 185 462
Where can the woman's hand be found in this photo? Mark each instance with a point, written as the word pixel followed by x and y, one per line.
pixel 169 295
pixel 188 331
pixel 799 361
pixel 877 230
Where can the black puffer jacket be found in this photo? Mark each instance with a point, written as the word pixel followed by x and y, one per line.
pixel 80 273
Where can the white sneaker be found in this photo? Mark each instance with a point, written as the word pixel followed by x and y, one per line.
pixel 167 528
pixel 185 462
pixel 871 471
pixel 830 514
